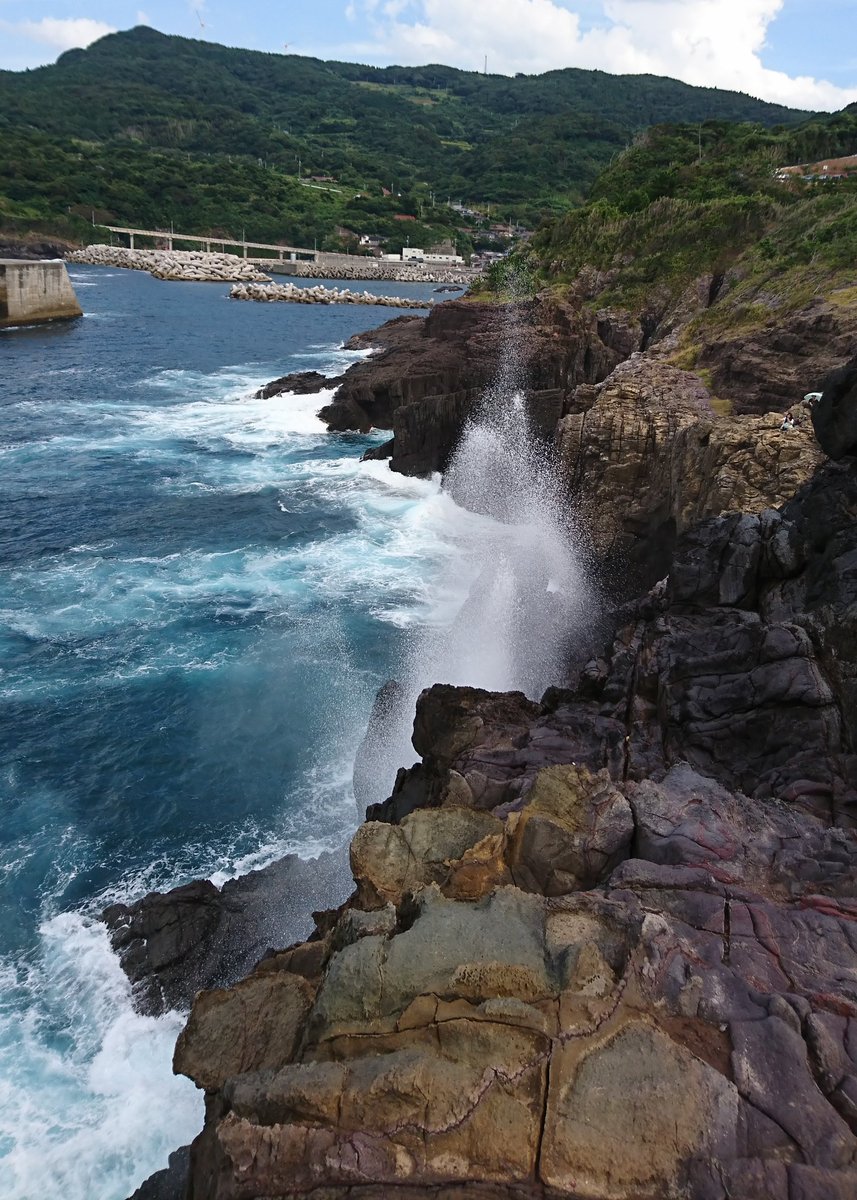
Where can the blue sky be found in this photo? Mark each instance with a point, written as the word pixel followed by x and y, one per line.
pixel 799 52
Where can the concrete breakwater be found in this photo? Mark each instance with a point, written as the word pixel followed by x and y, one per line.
pixel 32 292
pixel 195 266
pixel 350 266
pixel 318 295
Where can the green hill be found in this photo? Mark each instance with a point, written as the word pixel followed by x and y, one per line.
pixel 146 128
pixel 688 208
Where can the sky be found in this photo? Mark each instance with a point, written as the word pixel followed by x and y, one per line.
pixel 797 52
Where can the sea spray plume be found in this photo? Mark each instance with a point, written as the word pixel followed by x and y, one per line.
pixel 516 583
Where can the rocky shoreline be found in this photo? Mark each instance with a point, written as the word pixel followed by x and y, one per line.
pixel 193 266
pixel 600 945
pixel 290 294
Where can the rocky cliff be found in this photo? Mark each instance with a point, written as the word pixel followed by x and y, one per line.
pixel 607 946
pixel 429 373
pixel 603 945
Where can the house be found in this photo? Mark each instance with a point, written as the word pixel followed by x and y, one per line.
pixel 829 168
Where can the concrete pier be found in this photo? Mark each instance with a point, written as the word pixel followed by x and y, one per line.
pixel 31 292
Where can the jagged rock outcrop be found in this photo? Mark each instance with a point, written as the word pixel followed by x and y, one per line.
pixel 646 457
pixel 171 944
pixel 429 374
pixel 770 359
pixel 632 1040
pixel 300 383
pixel 744 663
pixel 602 946
pixel 834 417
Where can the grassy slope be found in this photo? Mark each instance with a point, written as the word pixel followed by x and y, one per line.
pixel 663 215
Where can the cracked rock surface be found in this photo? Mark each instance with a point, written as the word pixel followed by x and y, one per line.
pixel 600 947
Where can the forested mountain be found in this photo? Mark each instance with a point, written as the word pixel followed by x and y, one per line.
pixel 142 127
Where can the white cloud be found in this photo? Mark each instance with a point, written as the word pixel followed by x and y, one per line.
pixel 62 34
pixel 713 43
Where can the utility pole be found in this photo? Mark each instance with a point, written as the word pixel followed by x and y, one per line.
pixel 485 69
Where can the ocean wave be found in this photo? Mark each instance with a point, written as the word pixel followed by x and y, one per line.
pixel 78 1069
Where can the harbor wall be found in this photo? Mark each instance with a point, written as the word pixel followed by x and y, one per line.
pixel 31 292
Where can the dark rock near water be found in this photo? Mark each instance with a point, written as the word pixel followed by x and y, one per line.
pixel 33 250
pixel 172 944
pixel 299 383
pixel 378 453
pixel 743 663
pixel 834 417
pixel 169 1184
pixel 429 373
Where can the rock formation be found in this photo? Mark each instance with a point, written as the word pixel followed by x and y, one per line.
pixel 773 365
pixel 601 945
pixel 428 374
pixel 172 944
pixel 646 457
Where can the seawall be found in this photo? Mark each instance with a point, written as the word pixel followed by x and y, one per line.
pixel 31 292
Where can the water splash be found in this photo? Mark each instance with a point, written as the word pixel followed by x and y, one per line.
pixel 514 597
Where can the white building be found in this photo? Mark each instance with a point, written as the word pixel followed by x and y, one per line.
pixel 415 254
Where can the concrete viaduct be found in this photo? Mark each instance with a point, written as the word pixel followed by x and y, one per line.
pixel 205 242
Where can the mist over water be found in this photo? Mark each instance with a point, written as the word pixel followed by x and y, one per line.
pixel 513 596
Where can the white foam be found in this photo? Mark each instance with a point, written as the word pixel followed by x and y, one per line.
pixel 79 1073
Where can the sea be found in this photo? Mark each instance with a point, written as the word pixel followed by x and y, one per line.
pixel 200 594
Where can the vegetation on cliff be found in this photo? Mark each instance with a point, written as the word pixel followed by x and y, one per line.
pixel 148 129
pixel 690 200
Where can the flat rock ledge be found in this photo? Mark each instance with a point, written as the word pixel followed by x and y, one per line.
pixel 292 294
pixel 192 266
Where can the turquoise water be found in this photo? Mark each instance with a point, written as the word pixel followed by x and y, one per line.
pixel 200 594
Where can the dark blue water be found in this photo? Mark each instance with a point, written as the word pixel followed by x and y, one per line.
pixel 200 593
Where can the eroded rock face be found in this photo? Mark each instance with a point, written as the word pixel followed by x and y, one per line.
pixel 683 1030
pixel 600 947
pixel 171 944
pixel 429 374
pixel 744 663
pixel 773 366
pixel 648 458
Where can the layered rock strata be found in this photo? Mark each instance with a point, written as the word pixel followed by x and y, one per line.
pixel 773 364
pixel 428 375
pixel 646 457
pixel 601 946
